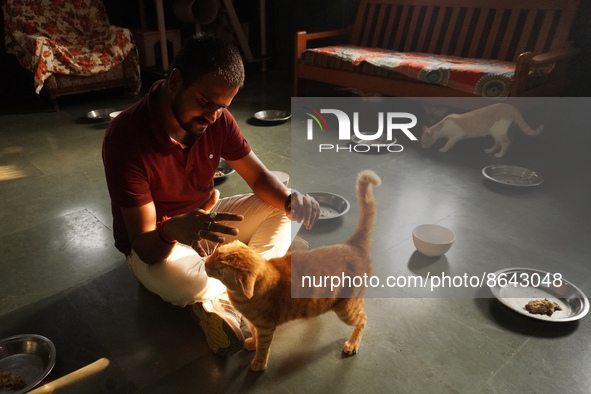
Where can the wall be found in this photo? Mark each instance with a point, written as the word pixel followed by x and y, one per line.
pixel 288 17
pixel 284 18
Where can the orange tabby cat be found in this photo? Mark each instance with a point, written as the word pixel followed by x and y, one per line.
pixel 261 290
pixel 493 120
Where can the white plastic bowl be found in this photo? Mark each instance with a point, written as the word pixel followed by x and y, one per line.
pixel 114 114
pixel 281 176
pixel 432 239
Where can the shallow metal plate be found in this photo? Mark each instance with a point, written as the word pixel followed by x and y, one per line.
pixel 331 205
pixel 99 114
pixel 272 115
pixel 30 356
pixel 525 288
pixel 225 168
pixel 512 175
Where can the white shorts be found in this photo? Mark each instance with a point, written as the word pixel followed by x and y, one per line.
pixel 181 278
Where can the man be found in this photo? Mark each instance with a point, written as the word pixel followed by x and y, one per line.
pixel 160 156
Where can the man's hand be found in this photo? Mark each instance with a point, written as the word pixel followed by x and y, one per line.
pixel 302 208
pixel 201 224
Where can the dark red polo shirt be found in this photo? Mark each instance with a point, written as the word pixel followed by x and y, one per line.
pixel 143 164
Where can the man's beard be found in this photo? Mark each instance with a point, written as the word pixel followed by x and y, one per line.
pixel 197 126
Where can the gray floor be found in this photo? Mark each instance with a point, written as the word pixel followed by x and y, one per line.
pixel 61 276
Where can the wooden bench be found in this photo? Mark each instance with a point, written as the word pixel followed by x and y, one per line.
pixel 532 36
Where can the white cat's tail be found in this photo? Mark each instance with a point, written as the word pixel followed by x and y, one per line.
pixel 519 121
pixel 367 210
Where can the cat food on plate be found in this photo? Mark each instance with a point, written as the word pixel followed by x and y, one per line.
pixel 515 287
pixel 11 381
pixel 542 307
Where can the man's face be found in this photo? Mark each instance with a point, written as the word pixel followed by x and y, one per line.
pixel 197 106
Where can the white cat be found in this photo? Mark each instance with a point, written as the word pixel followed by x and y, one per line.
pixel 493 120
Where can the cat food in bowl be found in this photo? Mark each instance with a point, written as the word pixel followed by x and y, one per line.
pixel 432 239
pixel 25 360
pixel 224 170
pixel 331 205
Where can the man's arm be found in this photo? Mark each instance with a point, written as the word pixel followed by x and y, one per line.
pixel 141 230
pixel 269 189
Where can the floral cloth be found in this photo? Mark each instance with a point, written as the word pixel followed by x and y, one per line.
pixel 63 36
pixel 488 78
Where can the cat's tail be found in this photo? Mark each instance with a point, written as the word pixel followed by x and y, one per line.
pixel 525 127
pixel 363 234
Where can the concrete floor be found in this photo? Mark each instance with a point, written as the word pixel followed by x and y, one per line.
pixel 62 278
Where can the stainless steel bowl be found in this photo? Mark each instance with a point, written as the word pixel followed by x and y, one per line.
pixel 331 205
pixel 99 114
pixel 225 168
pixel 272 115
pixel 515 287
pixel 512 175
pixel 30 356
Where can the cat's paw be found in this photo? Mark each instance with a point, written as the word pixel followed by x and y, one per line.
pixel 499 154
pixel 250 344
pixel 444 149
pixel 350 348
pixel 258 365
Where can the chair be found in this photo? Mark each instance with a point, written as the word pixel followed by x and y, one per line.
pixel 70 47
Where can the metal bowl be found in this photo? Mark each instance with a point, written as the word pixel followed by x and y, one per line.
pixel 99 114
pixel 30 356
pixel 515 287
pixel 224 168
pixel 272 115
pixel 512 175
pixel 331 205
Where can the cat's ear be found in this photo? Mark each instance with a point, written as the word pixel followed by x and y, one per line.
pixel 247 283
pixel 425 129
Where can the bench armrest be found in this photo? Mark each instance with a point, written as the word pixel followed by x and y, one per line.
pixel 323 34
pixel 545 59
pixel 302 38
pixel 526 61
